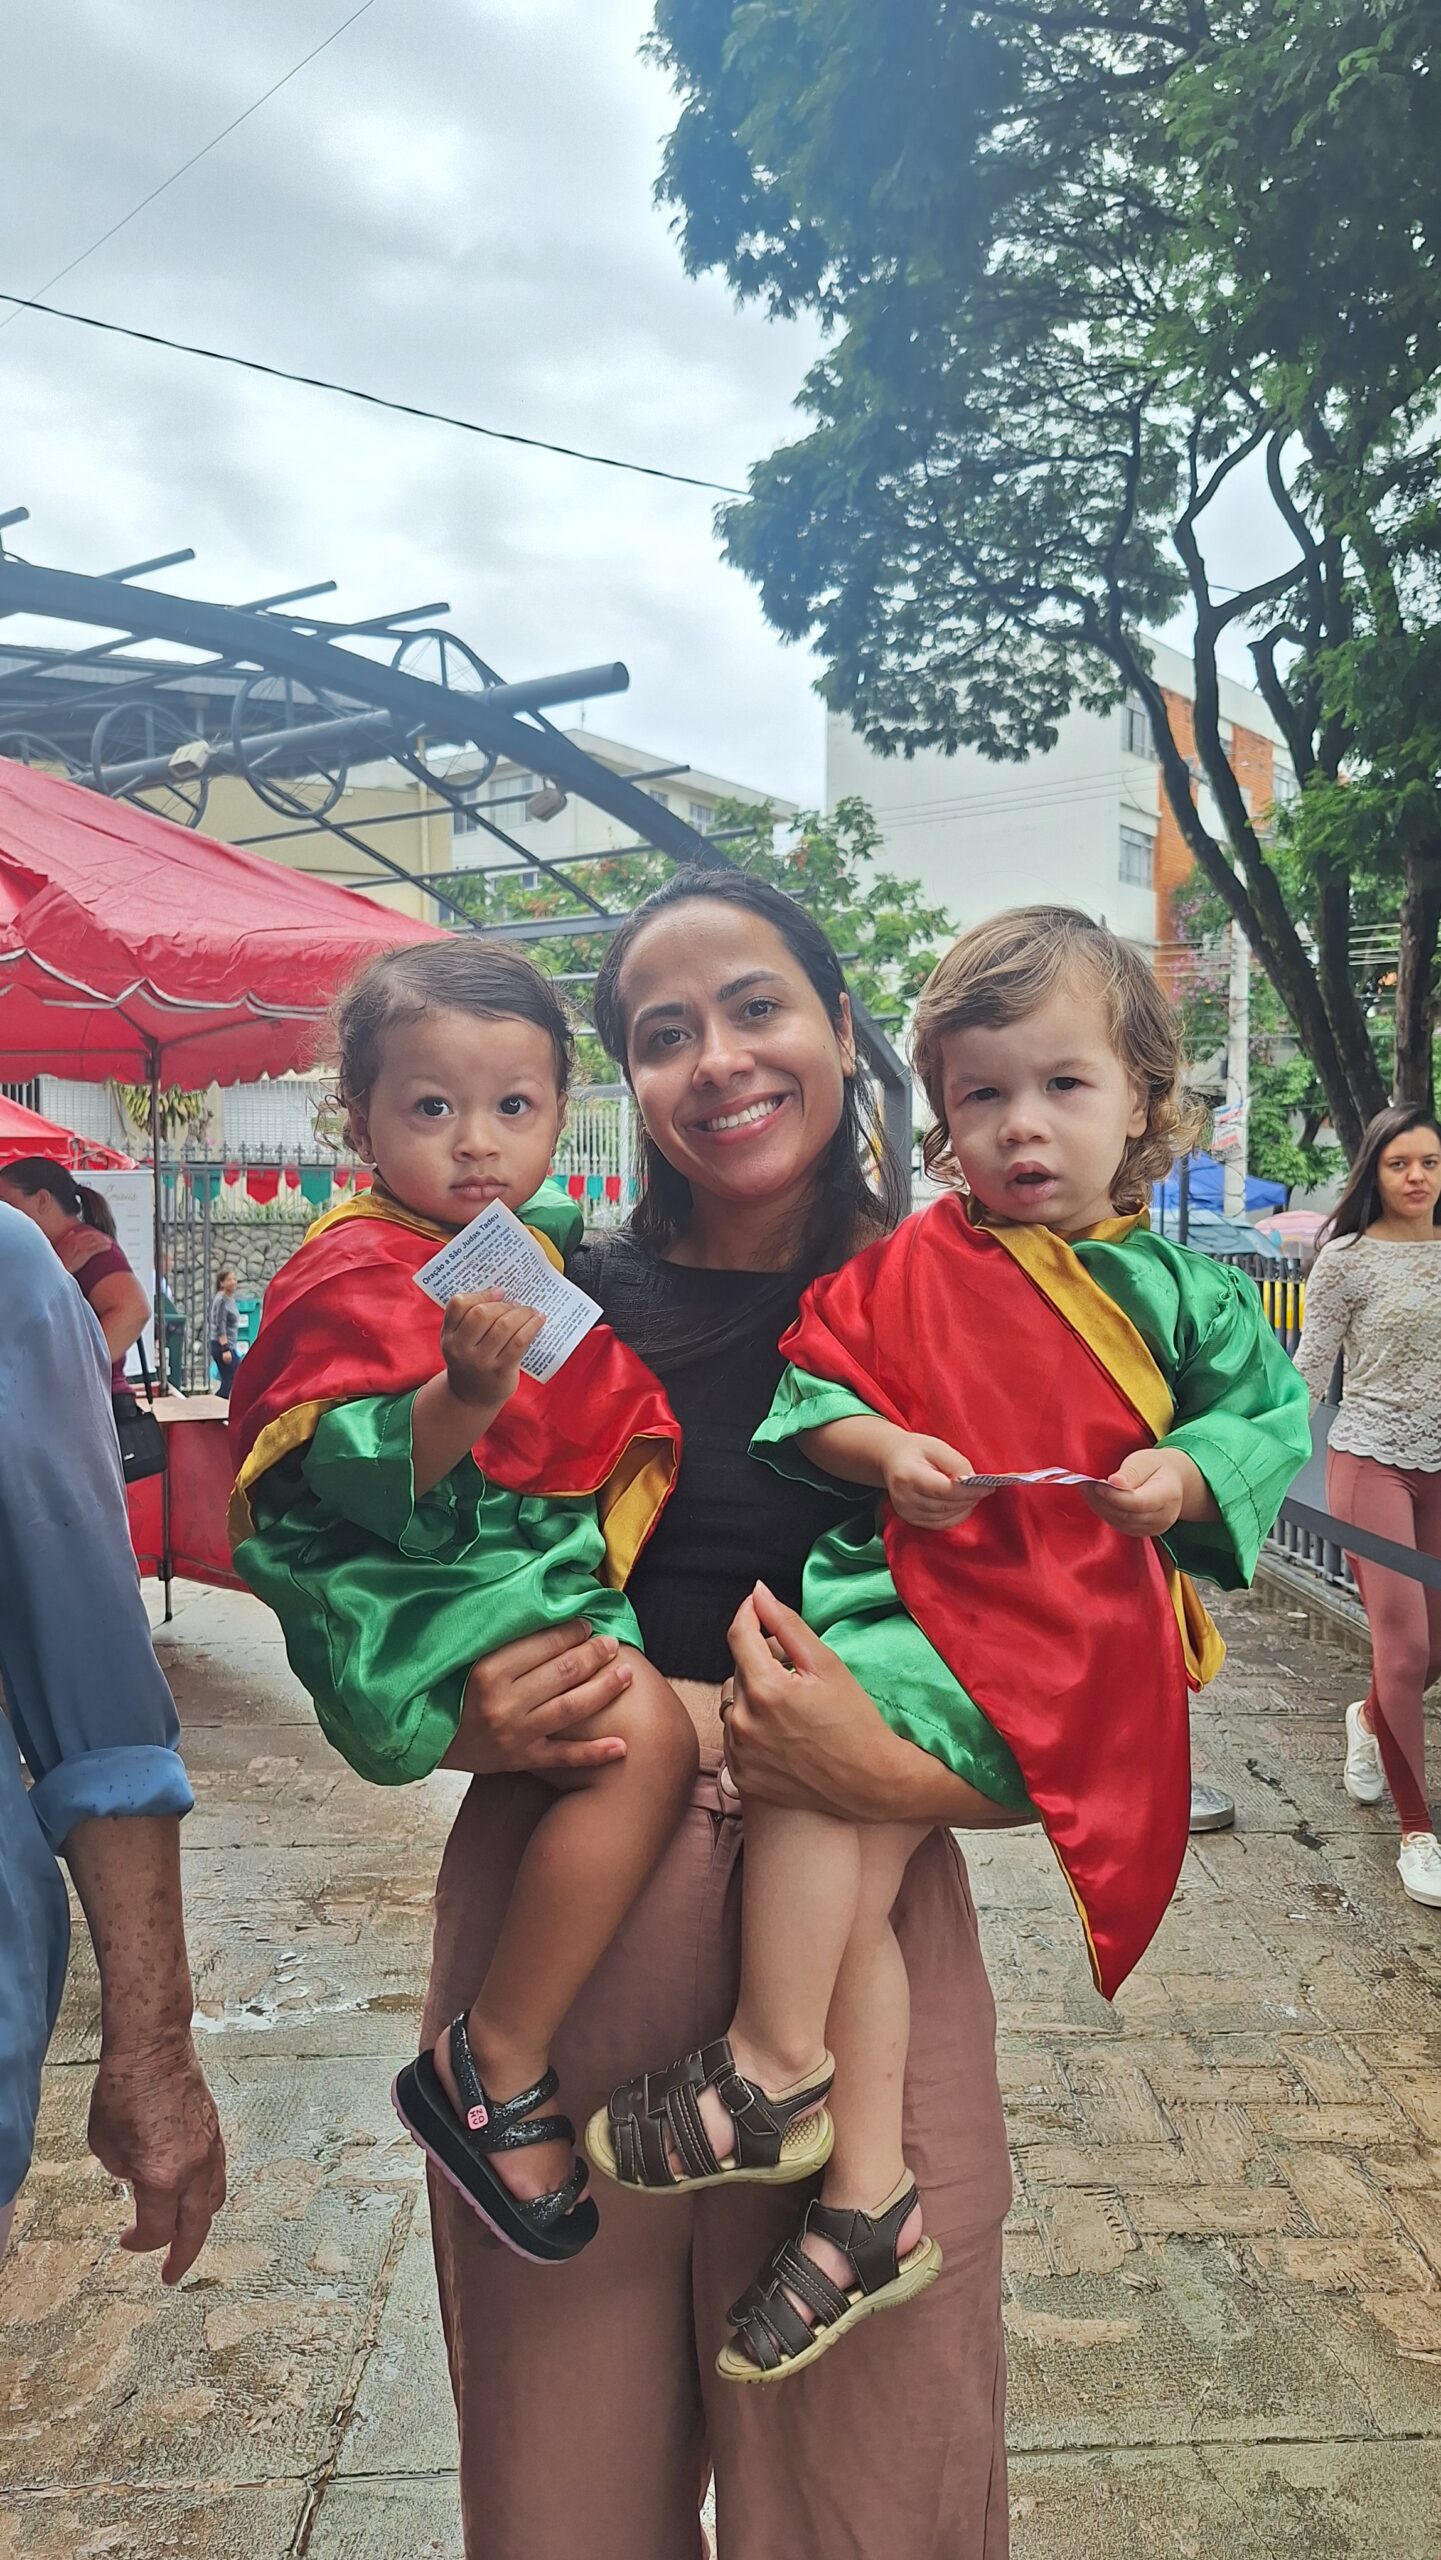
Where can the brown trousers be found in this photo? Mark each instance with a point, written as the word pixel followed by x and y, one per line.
pixel 589 2409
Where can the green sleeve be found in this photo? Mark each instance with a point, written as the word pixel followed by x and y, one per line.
pixel 558 1217
pixel 359 1469
pixel 803 1403
pixel 1242 1415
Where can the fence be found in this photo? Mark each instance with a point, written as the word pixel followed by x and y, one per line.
pixel 1282 1284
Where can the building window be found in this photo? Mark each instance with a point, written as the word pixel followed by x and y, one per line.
pixel 1285 789
pixel 661 798
pixel 1136 737
pixel 1138 858
pixel 701 814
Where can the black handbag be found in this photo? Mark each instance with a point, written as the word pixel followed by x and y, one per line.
pixel 142 1441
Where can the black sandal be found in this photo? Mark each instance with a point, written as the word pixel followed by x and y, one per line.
pixel 781 2135
pixel 548 2228
pixel 773 2340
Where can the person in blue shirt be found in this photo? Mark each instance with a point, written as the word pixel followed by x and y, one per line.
pixel 90 1711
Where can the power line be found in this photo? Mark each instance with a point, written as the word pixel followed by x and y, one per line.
pixel 371 399
pixel 216 138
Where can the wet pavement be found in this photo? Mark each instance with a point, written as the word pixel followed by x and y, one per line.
pixel 1224 2264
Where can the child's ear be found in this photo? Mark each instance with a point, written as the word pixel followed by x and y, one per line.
pixel 356 1131
pixel 1140 1119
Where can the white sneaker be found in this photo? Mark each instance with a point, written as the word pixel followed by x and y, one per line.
pixel 1364 1777
pixel 1419 1868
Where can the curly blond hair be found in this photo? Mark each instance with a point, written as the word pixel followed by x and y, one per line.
pixel 1004 969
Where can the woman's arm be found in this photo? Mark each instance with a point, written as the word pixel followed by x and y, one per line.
pixel 122 1309
pixel 1329 1308
pixel 803 1733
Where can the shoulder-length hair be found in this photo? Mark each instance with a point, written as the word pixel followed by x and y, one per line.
pixel 1360 1203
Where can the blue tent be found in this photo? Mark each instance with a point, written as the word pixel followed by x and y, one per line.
pixel 1208 1189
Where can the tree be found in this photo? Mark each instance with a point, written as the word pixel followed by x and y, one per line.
pixel 1081 266
pixel 880 924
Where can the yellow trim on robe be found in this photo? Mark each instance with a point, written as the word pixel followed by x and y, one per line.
pixel 1062 1277
pixel 626 1504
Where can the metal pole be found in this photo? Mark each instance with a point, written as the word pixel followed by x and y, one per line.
pixel 1238 1069
pixel 167 1574
pixel 1183 1201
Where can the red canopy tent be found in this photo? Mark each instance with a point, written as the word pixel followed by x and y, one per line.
pixel 133 948
pixel 29 1133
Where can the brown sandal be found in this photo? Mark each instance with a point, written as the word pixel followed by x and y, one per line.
pixel 781 2136
pixel 773 2340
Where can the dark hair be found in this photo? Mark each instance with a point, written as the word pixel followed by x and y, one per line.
pixel 850 1205
pixel 226 1272
pixel 34 1174
pixel 1360 1203
pixel 467 973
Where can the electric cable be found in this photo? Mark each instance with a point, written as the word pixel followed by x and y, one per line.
pixel 196 156
pixel 370 399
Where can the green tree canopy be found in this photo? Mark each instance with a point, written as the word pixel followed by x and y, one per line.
pixel 888 936
pixel 1080 266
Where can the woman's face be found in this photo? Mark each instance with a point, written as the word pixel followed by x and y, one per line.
pixel 1409 1174
pixel 42 1206
pixel 738 1071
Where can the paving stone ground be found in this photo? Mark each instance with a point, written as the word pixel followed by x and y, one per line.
pixel 1224 2264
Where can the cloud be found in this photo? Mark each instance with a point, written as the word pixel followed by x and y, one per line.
pixel 453 204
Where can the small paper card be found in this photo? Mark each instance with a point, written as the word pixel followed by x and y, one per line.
pixel 1038 1475
pixel 496 1252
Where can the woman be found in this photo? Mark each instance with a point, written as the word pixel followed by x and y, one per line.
pixel 224 1330
pixel 589 2409
pixel 1373 1296
pixel 78 1223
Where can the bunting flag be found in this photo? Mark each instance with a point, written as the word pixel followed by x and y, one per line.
pixel 231 1176
pixel 363 1177
pixel 612 1186
pixel 315 1182
pixel 292 1177
pixel 341 1177
pixel 262 1184
pixel 575 1185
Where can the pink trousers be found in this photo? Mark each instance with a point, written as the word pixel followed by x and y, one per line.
pixel 1404 1505
pixel 589 2410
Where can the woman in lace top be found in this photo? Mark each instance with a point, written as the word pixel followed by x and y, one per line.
pixel 1375 1299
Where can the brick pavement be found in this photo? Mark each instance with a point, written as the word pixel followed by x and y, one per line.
pixel 1224 2264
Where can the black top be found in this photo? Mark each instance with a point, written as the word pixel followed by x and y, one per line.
pixel 730 1518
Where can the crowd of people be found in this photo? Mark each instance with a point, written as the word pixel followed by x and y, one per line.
pixel 715 1580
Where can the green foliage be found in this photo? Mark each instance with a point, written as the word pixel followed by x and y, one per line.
pixel 888 937
pixel 1080 267
pixel 1287 1105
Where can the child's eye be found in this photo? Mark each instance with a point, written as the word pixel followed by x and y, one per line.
pixel 515 1104
pixel 432 1106
pixel 1067 1084
pixel 982 1093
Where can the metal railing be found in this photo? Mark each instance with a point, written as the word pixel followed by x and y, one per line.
pixel 1282 1283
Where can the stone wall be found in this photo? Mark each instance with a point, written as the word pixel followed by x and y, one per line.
pixel 256 1247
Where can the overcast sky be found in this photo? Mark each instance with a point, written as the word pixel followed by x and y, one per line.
pixel 453 205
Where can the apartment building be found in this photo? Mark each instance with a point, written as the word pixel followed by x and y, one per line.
pixel 1086 824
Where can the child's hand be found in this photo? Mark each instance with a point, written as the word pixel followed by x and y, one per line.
pixel 1148 1493
pixel 926 1482
pixel 482 1341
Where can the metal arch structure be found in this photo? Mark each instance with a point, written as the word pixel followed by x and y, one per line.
pixel 259 659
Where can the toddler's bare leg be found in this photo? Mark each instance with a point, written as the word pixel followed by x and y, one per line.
pixel 869 2033
pixel 584 1864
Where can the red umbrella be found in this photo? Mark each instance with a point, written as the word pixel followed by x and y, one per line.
pixel 29 1133
pixel 133 948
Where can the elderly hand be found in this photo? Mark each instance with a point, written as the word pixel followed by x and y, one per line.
pixel 153 2123
pixel 524 1701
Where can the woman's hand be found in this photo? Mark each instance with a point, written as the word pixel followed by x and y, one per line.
pixel 524 1702
pixel 801 1732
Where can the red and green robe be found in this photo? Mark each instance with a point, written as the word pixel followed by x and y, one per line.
pixel 1043 1656
pixel 386 1599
